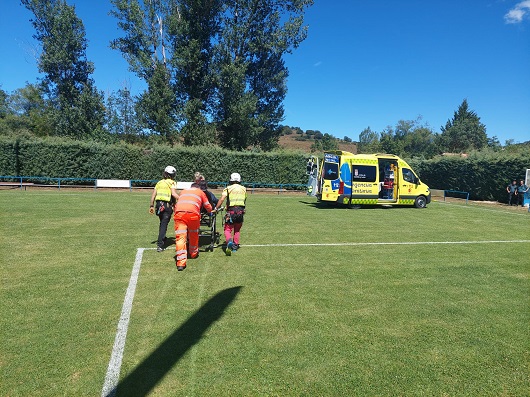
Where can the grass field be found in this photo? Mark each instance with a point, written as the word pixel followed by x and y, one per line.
pixel 317 302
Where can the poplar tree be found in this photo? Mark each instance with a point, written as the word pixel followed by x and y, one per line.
pixel 224 59
pixel 194 28
pixel 255 36
pixel 122 120
pixel 77 107
pixel 145 47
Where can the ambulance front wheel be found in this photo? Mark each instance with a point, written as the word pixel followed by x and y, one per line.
pixel 421 202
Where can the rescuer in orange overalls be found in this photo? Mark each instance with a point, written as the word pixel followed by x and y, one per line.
pixel 187 223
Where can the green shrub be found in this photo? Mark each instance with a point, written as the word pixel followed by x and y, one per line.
pixel 61 158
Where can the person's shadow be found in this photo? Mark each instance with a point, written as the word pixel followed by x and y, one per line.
pixel 168 242
pixel 152 370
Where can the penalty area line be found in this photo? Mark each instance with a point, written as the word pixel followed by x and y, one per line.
pixel 113 370
pixel 384 243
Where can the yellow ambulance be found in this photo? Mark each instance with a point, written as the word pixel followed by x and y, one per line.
pixel 369 179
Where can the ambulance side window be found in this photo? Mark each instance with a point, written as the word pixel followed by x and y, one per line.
pixel 364 173
pixel 331 171
pixel 409 176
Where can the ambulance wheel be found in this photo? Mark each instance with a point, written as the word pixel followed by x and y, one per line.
pixel 421 202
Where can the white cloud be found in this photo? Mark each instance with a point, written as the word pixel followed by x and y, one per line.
pixel 317 64
pixel 517 14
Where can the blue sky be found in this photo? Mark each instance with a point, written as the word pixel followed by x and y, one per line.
pixel 365 63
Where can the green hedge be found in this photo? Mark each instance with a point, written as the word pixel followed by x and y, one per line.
pixel 485 177
pixel 57 158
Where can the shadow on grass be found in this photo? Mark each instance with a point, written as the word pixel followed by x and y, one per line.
pixel 152 370
pixel 328 205
pixel 320 204
pixel 336 206
pixel 168 241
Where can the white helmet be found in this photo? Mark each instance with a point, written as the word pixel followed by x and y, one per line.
pixel 235 177
pixel 170 170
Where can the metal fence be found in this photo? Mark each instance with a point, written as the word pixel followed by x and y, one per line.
pixel 24 182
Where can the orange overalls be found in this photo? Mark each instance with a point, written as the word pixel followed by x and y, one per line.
pixel 187 223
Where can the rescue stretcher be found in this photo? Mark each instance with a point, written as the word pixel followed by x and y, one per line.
pixel 209 236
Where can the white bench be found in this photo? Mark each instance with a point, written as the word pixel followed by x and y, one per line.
pixel 184 185
pixel 113 183
pixel 16 184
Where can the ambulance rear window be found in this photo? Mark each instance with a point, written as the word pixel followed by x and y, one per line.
pixel 331 171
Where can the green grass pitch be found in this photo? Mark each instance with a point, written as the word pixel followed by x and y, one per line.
pixel 317 302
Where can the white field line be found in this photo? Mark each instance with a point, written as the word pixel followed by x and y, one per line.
pixel 478 207
pixel 113 370
pixel 383 243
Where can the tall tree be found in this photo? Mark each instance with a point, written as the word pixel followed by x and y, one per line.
pixel 122 120
pixel 78 106
pixel 255 36
pixel 193 29
pixel 144 24
pixel 236 110
pixel 324 142
pixel 201 42
pixel 464 131
pixel 3 103
pixel 31 109
pixel 389 143
pixel 145 47
pixel 369 141
pixel 415 138
pixel 156 106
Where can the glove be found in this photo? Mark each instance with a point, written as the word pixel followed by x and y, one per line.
pixel 152 210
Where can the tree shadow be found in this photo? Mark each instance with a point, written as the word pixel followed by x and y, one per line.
pixel 152 370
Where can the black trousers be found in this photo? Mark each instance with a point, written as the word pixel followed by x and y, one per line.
pixel 165 217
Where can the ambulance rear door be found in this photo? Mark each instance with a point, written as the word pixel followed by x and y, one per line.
pixel 329 178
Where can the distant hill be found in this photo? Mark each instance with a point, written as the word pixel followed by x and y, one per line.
pixel 291 142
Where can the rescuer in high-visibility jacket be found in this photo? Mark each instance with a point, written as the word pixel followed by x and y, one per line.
pixel 236 197
pixel 187 223
pixel 162 201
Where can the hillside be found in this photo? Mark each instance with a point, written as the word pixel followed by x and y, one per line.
pixel 289 142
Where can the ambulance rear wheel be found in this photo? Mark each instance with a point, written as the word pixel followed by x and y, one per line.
pixel 421 202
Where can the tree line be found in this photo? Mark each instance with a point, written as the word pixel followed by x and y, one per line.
pixel 462 134
pixel 214 72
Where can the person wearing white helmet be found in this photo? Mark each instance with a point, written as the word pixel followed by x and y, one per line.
pixel 235 195
pixel 163 199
